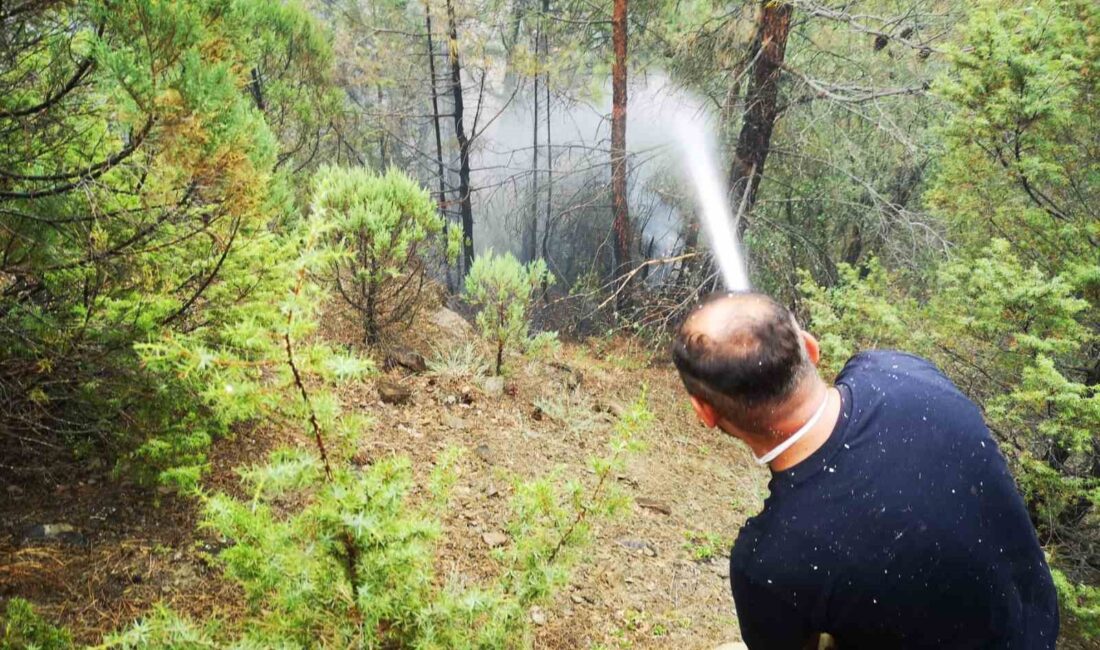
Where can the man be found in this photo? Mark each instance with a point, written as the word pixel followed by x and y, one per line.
pixel 892 522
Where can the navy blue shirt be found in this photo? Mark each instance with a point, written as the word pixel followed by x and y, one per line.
pixel 904 530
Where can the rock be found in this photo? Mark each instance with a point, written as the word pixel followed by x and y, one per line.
pixel 451 326
pixel 732 646
pixel 393 393
pixel 483 452
pixel 53 533
pixel 628 480
pixel 494 539
pixel 456 423
pixel 493 386
pixel 654 505
pixel 610 408
pixel 641 547
pixel 407 358
pixel 573 377
pixel 538 617
pixel 15 491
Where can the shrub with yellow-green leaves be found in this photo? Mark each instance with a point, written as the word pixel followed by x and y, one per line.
pixel 504 290
pixel 386 231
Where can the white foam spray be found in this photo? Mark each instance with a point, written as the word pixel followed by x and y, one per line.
pixel 699 158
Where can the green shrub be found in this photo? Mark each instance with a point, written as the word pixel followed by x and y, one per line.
pixel 383 228
pixel 504 289
pixel 169 240
pixel 22 629
pixel 352 563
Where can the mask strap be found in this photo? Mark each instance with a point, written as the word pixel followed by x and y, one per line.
pixel 786 444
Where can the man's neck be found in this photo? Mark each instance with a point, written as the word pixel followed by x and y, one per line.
pixel 800 412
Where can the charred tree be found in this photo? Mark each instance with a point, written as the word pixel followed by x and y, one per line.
pixel 465 208
pixel 761 107
pixel 442 199
pixel 549 157
pixel 623 232
pixel 531 226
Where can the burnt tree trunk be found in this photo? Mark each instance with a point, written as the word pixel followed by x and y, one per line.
pixel 761 107
pixel 531 226
pixel 442 199
pixel 549 153
pixel 624 236
pixel 463 145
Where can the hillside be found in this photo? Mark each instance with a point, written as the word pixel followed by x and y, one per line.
pixel 655 577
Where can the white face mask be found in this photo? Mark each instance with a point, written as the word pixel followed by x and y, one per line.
pixel 786 444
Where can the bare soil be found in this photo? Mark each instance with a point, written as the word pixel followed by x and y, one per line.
pixel 642 584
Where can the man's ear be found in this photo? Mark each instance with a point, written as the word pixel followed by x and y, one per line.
pixel 813 348
pixel 707 415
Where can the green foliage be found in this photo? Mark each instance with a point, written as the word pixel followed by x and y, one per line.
pixel 504 290
pixel 543 345
pixel 22 629
pixel 348 560
pixel 1082 602
pixel 239 369
pixel 1023 88
pixel 146 220
pixel 382 229
pixel 704 546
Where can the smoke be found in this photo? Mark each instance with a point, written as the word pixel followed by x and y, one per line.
pixel 576 178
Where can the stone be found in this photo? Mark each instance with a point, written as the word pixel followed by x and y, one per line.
pixel 15 491
pixel 453 422
pixel 494 539
pixel 654 505
pixel 538 617
pixel 610 408
pixel 638 546
pixel 483 452
pixel 450 325
pixel 407 358
pixel 53 533
pixel 493 386
pixel 393 393
pixel 732 646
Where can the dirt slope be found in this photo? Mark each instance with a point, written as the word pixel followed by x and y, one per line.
pixel 644 584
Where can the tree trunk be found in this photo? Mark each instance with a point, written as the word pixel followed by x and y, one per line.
pixel 463 146
pixel 621 224
pixel 549 157
pixel 442 199
pixel 531 227
pixel 761 107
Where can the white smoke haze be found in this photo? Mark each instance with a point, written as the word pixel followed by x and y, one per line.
pixel 659 189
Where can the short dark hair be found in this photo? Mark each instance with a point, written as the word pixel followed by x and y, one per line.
pixel 755 364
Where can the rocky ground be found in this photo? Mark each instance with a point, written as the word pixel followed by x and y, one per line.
pixel 656 577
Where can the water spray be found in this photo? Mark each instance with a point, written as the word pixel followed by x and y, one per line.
pixel 699 158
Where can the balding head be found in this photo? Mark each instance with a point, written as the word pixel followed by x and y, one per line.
pixel 742 353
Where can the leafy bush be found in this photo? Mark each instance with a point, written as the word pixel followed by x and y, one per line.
pixel 504 290
pixel 382 227
pixel 22 629
pixel 353 564
pixel 138 209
